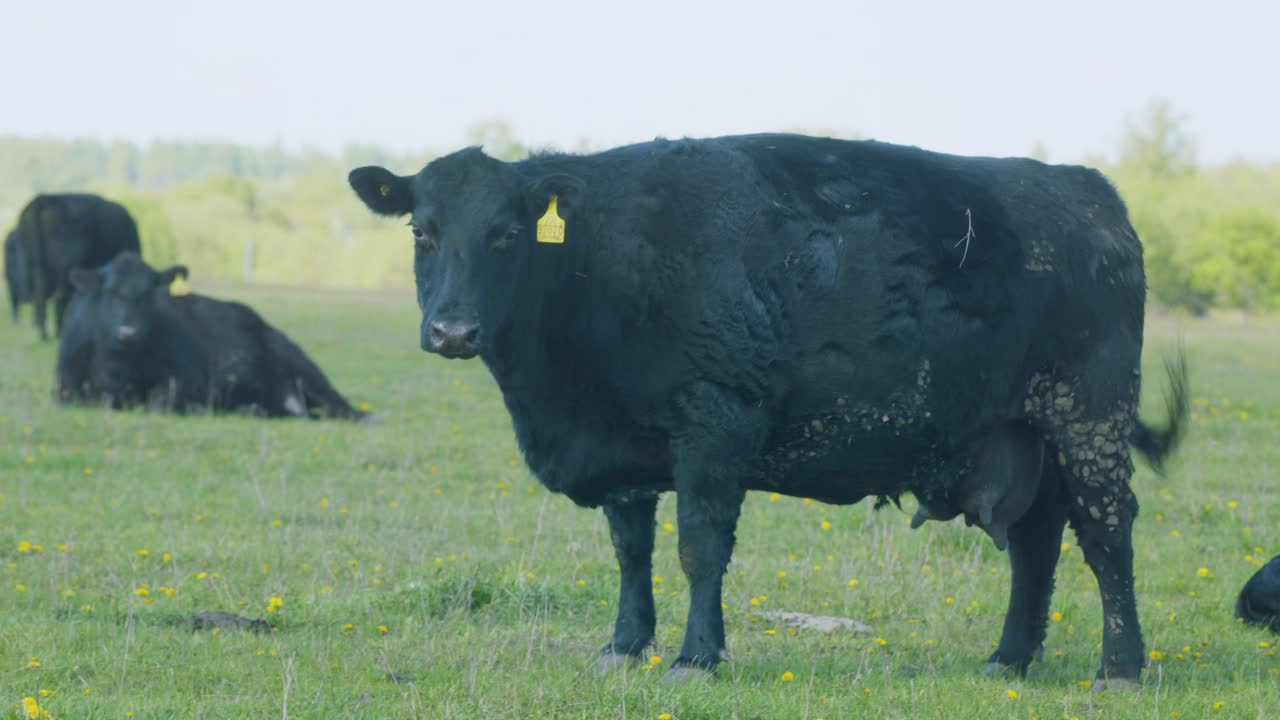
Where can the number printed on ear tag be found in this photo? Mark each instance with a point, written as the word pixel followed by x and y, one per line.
pixel 551 225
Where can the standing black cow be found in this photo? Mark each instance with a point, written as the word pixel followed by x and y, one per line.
pixel 128 341
pixel 813 317
pixel 61 232
pixel 15 273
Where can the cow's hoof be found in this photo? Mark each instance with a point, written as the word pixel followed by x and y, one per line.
pixel 999 669
pixel 685 674
pixel 610 662
pixel 1117 683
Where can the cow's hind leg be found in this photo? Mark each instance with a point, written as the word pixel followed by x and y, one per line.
pixel 62 296
pixel 39 295
pixel 1035 542
pixel 631 526
pixel 1103 521
pixel 1095 461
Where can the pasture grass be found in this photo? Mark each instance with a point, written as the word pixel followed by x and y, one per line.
pixel 413 568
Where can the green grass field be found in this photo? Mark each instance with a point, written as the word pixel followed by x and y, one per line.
pixel 414 569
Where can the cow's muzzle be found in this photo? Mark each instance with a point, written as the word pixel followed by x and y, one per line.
pixel 452 338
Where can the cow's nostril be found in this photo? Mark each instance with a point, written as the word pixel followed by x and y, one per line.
pixel 438 332
pixel 471 335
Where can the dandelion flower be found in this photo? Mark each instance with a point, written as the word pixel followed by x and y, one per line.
pixel 788 676
pixel 1013 694
pixel 1202 572
pixel 1057 617
pixel 1156 655
pixel 655 660
pixel 383 629
pixel 30 707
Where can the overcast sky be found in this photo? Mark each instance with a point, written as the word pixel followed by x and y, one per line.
pixel 967 77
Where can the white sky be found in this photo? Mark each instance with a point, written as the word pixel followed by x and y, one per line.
pixel 970 77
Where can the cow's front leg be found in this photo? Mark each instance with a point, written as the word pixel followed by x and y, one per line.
pixel 712 462
pixel 708 516
pixel 631 525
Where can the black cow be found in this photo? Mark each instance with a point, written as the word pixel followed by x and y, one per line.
pixel 814 317
pixel 1259 600
pixel 128 341
pixel 15 273
pixel 61 232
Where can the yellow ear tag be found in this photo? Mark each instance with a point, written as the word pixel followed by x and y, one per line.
pixel 551 225
pixel 178 288
pixel 384 190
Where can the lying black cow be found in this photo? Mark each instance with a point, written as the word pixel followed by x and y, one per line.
pixel 1259 600
pixel 128 341
pixel 61 232
pixel 15 274
pixel 813 317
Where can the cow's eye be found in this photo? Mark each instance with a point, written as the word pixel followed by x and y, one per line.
pixel 507 238
pixel 423 237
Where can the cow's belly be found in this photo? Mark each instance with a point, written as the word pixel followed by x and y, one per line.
pixel 844 457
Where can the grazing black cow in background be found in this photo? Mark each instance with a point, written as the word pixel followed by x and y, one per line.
pixel 127 341
pixel 1259 600
pixel 61 232
pixel 814 317
pixel 15 273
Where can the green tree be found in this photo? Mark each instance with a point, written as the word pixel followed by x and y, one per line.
pixel 1236 257
pixel 1158 144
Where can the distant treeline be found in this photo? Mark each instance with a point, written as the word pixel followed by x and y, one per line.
pixel 1211 234
pixel 30 165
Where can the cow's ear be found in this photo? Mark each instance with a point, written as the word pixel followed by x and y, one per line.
pixel 166 277
pixel 383 191
pixel 567 190
pixel 86 279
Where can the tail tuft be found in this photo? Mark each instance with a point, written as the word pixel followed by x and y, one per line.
pixel 1156 444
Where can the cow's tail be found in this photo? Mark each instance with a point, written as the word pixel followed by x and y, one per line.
pixel 1157 443
pixel 319 395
